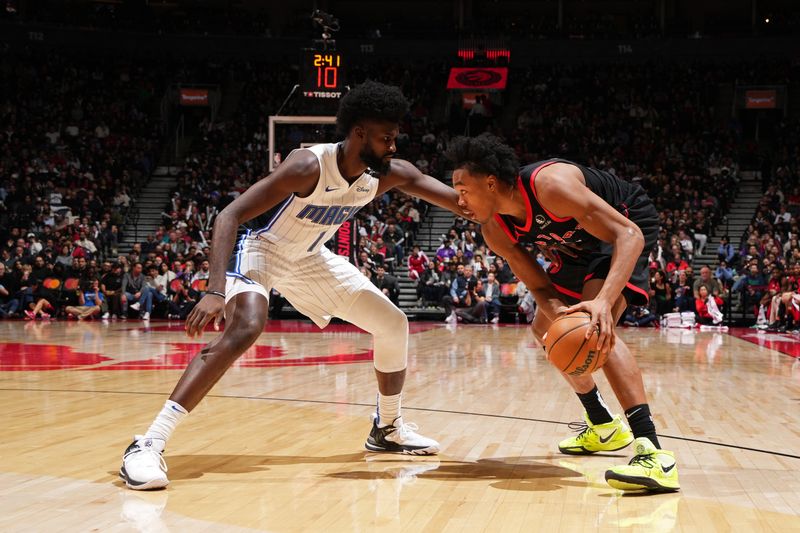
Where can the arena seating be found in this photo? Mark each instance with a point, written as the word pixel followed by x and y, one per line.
pixel 69 182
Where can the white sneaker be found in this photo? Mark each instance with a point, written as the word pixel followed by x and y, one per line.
pixel 143 466
pixel 135 306
pixel 495 320
pixel 146 316
pixel 106 315
pixel 452 318
pixel 399 438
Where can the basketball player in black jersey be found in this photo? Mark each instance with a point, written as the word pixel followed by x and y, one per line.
pixel 598 230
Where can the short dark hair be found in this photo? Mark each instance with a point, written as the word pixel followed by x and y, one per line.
pixel 370 101
pixel 485 154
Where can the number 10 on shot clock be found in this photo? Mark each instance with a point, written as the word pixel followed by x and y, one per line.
pixel 322 74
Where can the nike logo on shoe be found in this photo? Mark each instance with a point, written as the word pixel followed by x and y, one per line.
pixel 668 469
pixel 329 189
pixel 604 440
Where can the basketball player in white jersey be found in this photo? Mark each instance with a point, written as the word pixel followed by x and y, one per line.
pixel 283 221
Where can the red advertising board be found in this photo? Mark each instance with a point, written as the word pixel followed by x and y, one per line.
pixel 760 99
pixel 198 97
pixel 478 78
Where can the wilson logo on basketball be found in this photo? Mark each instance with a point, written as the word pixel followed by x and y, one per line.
pixel 586 364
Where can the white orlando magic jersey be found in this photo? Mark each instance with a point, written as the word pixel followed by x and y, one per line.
pixel 300 226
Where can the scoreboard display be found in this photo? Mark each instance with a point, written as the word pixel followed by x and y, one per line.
pixel 322 74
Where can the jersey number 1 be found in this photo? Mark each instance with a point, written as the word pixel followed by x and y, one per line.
pixel 316 242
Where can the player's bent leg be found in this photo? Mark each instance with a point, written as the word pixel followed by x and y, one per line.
pixel 246 315
pixel 601 430
pixel 651 468
pixel 609 433
pixel 623 374
pixel 143 465
pixel 373 312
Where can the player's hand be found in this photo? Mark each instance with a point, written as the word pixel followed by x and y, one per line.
pixel 210 307
pixel 602 320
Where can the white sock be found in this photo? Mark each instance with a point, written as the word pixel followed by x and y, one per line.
pixel 388 409
pixel 166 421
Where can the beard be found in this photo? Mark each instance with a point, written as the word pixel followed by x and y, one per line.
pixel 374 161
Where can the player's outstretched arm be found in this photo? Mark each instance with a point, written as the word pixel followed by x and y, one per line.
pixel 560 191
pixel 408 178
pixel 298 174
pixel 526 268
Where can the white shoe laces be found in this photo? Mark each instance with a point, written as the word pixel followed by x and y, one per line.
pixel 150 451
pixel 407 429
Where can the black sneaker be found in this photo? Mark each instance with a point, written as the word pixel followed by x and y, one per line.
pixel 399 438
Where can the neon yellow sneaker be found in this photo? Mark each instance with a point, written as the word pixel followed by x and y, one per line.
pixel 650 469
pixel 591 438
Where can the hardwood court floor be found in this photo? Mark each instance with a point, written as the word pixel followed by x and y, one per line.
pixel 278 445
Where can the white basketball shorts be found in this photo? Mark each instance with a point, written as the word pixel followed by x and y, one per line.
pixel 320 286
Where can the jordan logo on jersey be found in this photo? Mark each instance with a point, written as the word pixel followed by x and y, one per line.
pixel 327 214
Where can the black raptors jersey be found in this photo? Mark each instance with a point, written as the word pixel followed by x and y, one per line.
pixel 544 229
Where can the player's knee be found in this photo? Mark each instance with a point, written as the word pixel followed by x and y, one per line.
pixel 381 318
pixel 393 324
pixel 244 329
pixel 396 322
pixel 391 342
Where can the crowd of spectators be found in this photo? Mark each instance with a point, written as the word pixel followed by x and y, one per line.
pixel 652 124
pixel 77 136
pixel 462 276
pixel 68 168
pixel 768 250
pixel 100 289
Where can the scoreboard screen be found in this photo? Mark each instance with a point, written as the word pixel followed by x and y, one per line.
pixel 322 74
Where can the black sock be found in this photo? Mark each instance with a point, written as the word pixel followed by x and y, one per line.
pixel 641 422
pixel 595 407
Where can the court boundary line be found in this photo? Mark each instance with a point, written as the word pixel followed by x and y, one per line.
pixel 424 409
pixel 739 332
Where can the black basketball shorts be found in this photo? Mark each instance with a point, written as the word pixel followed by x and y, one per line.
pixel 573 272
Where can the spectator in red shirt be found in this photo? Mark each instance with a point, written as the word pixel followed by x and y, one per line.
pixel 774 285
pixel 704 315
pixel 677 264
pixel 416 263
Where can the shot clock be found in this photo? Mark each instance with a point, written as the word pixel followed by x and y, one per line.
pixel 322 74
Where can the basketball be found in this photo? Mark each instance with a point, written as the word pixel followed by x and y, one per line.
pixel 567 347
